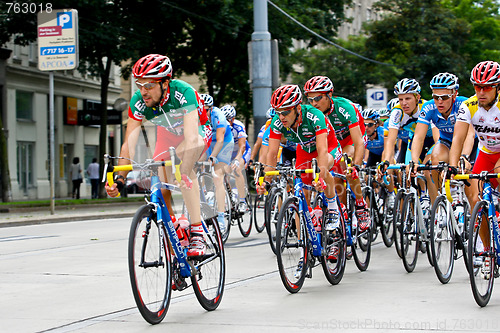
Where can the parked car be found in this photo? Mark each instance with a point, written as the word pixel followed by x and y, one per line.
pixel 137 182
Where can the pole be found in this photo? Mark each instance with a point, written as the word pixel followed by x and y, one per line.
pixel 51 142
pixel 261 64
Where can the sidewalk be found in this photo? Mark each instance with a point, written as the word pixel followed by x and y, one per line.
pixel 40 215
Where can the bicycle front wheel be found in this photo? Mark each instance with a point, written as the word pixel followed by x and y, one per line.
pixel 409 234
pixel 245 218
pixel 387 225
pixel 150 266
pixel 258 213
pixel 481 261
pixel 396 220
pixel 335 247
pixel 291 246
pixel 275 200
pixel 208 283
pixel 442 240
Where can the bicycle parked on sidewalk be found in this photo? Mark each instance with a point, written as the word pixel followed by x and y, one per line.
pixel 157 259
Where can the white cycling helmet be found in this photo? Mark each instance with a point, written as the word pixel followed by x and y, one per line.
pixel 229 111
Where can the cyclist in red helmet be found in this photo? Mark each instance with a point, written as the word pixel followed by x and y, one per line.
pixel 480 114
pixel 177 110
pixel 350 130
pixel 315 138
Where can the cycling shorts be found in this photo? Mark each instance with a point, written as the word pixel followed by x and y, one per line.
pixel 304 159
pixel 225 153
pixel 166 139
pixel 486 162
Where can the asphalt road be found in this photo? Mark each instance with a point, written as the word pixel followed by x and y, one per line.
pixel 73 277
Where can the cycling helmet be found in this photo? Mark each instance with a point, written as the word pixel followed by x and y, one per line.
pixel 371 114
pixel 444 81
pixel 286 97
pixel 392 103
pixel 229 111
pixel 384 113
pixel 207 99
pixel 271 112
pixel 318 84
pixel 407 86
pixel 154 66
pixel 486 72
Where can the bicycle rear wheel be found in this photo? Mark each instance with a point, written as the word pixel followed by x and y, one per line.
pixel 409 235
pixel 291 246
pixel 150 266
pixel 442 240
pixel 228 215
pixel 258 213
pixel 387 226
pixel 481 261
pixel 245 218
pixel 208 283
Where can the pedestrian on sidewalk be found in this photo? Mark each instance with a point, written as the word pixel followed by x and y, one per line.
pixel 93 173
pixel 75 173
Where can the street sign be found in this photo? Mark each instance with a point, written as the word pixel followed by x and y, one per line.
pixel 58 40
pixel 376 98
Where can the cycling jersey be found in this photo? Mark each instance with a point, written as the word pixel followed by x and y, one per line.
pixel 239 132
pixel 376 145
pixel 344 116
pixel 486 123
pixel 181 99
pixel 313 123
pixel 399 119
pixel 430 113
pixel 218 120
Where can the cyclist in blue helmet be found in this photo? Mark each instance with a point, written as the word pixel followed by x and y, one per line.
pixel 442 112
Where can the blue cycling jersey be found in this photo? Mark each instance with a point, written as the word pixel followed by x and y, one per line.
pixel 218 120
pixel 376 145
pixel 430 114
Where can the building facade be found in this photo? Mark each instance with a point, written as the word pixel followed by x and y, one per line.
pixel 25 115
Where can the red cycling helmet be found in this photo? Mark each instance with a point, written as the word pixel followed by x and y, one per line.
pixel 486 72
pixel 318 84
pixel 286 97
pixel 154 66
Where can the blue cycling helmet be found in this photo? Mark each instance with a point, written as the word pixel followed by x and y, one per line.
pixel 407 86
pixel 229 111
pixel 371 114
pixel 444 81
pixel 271 112
pixel 392 103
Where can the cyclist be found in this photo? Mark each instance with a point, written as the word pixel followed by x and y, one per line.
pixel 482 112
pixel 375 136
pixel 441 111
pixel 315 138
pixel 219 152
pixel 241 152
pixel 349 130
pixel 175 107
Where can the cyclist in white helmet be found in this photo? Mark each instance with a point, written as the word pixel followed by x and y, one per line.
pixel 219 152
pixel 241 153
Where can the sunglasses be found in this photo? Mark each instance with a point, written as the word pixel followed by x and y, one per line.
pixel 284 113
pixel 444 97
pixel 315 99
pixel 147 85
pixel 484 88
pixel 369 124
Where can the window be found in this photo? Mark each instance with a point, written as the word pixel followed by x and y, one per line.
pixel 25 165
pixel 24 105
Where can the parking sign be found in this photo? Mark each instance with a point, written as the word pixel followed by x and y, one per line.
pixel 58 40
pixel 376 98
